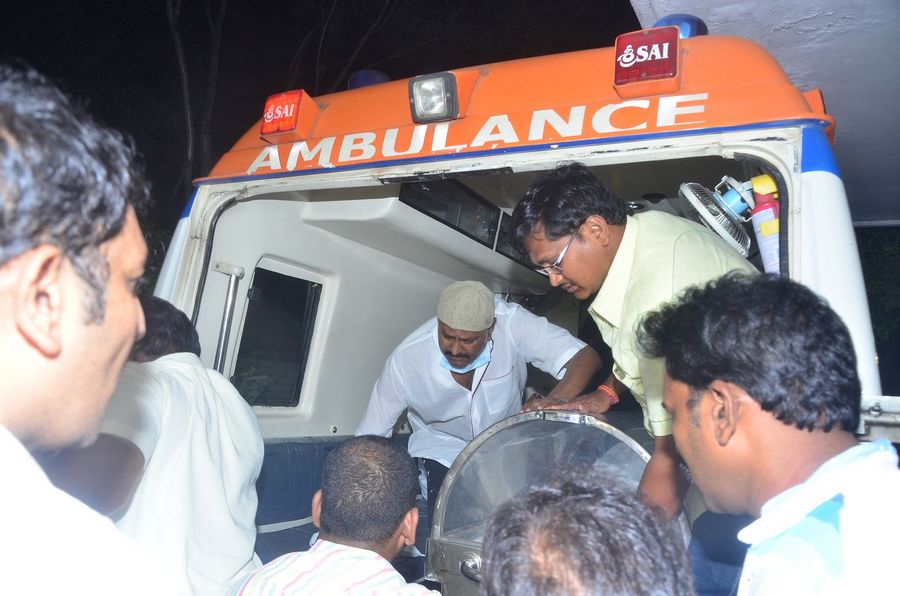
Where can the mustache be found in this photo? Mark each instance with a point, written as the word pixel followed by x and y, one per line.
pixel 452 355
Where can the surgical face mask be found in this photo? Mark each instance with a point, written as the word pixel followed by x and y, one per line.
pixel 481 360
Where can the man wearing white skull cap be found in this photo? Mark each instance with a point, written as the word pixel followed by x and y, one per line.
pixel 465 369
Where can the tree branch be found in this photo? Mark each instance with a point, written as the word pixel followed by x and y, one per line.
pixel 215 25
pixel 377 24
pixel 322 41
pixel 173 9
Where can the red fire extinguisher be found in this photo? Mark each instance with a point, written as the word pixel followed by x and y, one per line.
pixel 765 221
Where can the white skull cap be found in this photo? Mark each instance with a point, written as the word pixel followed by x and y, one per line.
pixel 466 306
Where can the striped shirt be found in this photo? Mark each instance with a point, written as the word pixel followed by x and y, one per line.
pixel 329 568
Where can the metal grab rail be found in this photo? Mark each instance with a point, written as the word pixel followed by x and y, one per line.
pixel 235 274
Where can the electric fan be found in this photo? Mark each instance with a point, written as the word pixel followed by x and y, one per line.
pixel 722 212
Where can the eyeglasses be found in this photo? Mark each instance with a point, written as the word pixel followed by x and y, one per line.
pixel 556 267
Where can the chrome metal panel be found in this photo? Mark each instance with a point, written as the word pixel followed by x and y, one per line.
pixel 445 564
pixel 502 463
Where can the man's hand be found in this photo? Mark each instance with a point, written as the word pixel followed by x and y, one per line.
pixel 592 404
pixel 663 484
pixel 533 402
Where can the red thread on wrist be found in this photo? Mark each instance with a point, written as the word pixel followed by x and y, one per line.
pixel 610 393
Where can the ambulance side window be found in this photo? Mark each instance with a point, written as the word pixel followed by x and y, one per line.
pixel 271 359
pixel 505 240
pixel 455 205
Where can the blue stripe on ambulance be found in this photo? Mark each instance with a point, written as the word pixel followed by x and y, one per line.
pixel 186 212
pixel 816 154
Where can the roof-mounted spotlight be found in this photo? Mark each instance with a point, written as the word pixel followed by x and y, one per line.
pixel 433 98
pixel 688 25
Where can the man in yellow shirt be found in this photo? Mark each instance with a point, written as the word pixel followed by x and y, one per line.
pixel 579 234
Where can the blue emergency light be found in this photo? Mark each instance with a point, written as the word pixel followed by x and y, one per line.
pixel 688 25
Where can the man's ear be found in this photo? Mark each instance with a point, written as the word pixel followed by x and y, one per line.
pixel 317 508
pixel 726 410
pixel 596 227
pixel 38 299
pixel 408 526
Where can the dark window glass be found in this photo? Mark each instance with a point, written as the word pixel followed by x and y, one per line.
pixel 505 242
pixel 275 344
pixel 456 205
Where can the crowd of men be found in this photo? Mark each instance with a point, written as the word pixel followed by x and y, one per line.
pixel 748 381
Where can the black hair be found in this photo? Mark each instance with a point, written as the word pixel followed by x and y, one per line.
pixel 769 335
pixel 582 533
pixel 561 200
pixel 169 331
pixel 64 179
pixel 369 484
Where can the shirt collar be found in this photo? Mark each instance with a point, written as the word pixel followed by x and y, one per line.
pixel 852 467
pixel 610 299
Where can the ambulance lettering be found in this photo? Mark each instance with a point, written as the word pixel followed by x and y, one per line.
pixel 357 146
pixel 323 148
pixel 565 128
pixel 389 148
pixel 267 158
pixel 439 141
pixel 630 57
pixel 670 108
pixel 601 122
pixel 499 130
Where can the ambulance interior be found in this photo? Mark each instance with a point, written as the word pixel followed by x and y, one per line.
pixel 370 262
pixel 333 279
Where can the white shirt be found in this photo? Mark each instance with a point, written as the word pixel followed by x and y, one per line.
pixel 50 543
pixel 329 568
pixel 835 533
pixel 195 505
pixel 444 415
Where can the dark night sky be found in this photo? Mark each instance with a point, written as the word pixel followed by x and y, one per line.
pixel 118 56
